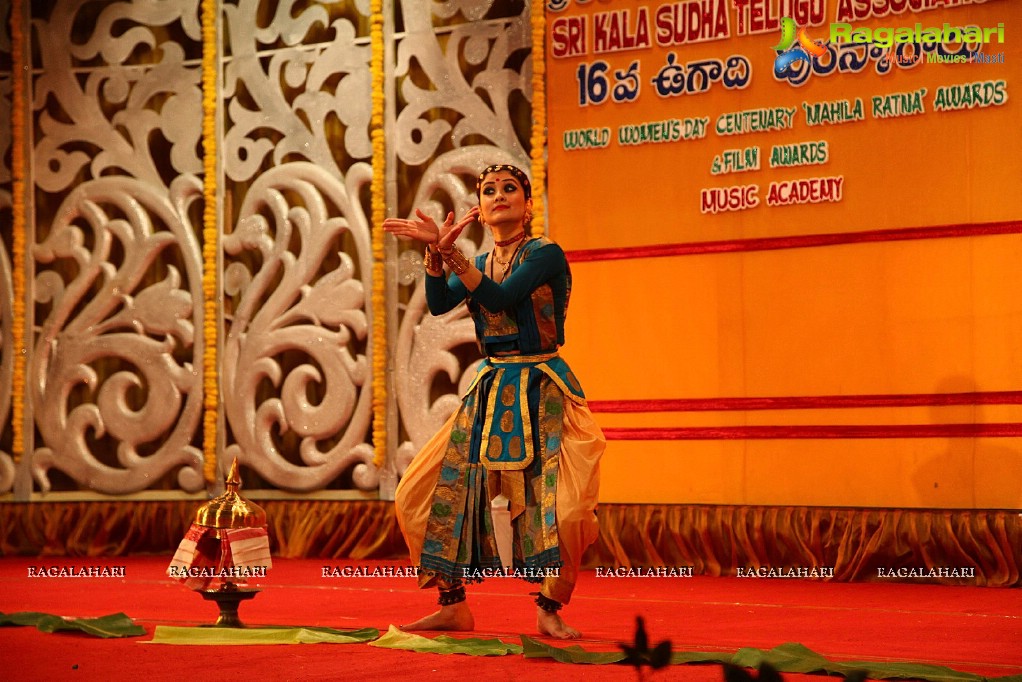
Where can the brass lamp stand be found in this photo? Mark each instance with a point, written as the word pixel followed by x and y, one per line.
pixel 214 524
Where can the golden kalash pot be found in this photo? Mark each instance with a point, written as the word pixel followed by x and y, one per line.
pixel 231 511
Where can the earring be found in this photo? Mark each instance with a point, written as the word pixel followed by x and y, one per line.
pixel 528 217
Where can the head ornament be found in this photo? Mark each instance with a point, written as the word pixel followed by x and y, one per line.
pixel 515 171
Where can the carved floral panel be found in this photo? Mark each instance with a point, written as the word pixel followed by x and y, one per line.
pixel 113 381
pixel 114 368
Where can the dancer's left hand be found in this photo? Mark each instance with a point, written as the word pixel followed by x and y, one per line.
pixel 451 230
pixel 426 230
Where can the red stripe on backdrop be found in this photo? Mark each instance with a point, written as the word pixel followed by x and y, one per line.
pixel 817 432
pixel 806 402
pixel 794 242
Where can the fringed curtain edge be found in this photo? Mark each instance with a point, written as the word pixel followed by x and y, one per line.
pixel 858 544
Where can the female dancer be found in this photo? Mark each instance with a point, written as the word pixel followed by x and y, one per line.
pixel 523 429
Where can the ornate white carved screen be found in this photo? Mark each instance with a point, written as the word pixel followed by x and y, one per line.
pixel 114 258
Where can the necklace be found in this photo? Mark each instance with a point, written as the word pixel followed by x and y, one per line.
pixel 505 264
pixel 511 240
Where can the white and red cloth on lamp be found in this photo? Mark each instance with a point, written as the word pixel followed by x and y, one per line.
pixel 209 558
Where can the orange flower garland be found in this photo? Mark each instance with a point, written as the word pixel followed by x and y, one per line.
pixel 538 140
pixel 210 240
pixel 19 73
pixel 379 212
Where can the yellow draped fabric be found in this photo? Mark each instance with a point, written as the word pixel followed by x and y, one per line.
pixel 582 444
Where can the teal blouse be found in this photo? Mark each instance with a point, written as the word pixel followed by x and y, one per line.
pixel 524 314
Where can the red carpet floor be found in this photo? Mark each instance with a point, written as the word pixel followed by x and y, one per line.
pixel 977 630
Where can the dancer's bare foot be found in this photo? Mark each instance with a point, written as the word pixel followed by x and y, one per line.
pixel 450 617
pixel 552 625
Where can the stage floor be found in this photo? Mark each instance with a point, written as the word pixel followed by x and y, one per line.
pixel 977 630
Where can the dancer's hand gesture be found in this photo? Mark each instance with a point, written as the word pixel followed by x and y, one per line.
pixel 426 230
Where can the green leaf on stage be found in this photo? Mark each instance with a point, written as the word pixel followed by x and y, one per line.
pixel 573 654
pixel 214 636
pixel 683 657
pixel 786 658
pixel 892 670
pixel 398 639
pixel 796 658
pixel 113 625
pixel 576 654
pixel 360 635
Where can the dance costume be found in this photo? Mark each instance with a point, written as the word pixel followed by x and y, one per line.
pixel 523 430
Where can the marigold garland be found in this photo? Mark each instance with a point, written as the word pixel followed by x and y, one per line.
pixel 538 139
pixel 379 212
pixel 19 73
pixel 210 240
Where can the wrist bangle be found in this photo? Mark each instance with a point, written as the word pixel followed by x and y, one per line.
pixel 456 261
pixel 432 261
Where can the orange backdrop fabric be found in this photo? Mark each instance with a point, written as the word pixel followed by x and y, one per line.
pixel 904 287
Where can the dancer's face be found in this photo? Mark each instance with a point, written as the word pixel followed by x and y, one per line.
pixel 502 200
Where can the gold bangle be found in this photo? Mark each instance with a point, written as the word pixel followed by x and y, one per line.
pixel 432 261
pixel 456 261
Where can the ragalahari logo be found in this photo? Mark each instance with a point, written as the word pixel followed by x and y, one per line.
pixel 790 52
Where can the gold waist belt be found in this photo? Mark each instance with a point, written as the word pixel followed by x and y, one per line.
pixel 521 359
